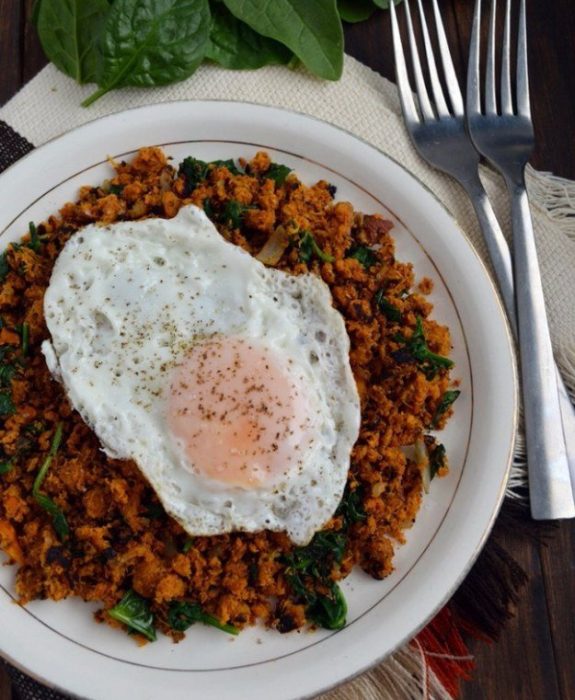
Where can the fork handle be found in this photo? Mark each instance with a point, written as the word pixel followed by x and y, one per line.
pixel 503 267
pixel 496 245
pixel 549 482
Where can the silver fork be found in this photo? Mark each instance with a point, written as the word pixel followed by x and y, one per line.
pixel 439 134
pixel 506 139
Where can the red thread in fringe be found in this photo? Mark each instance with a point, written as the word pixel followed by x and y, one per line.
pixel 445 652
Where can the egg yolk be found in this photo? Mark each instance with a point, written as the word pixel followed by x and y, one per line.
pixel 239 411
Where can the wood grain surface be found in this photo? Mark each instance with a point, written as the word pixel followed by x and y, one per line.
pixel 535 657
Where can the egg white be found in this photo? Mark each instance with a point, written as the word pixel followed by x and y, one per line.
pixel 125 303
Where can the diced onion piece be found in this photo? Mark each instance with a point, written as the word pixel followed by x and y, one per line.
pixel 422 460
pixel 274 247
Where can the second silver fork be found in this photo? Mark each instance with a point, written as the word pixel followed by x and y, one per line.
pixel 439 134
pixel 505 137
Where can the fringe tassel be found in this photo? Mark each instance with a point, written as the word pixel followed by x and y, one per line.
pixel 517 484
pixel 444 652
pixel 405 675
pixel 487 598
pixel 565 358
pixel 556 196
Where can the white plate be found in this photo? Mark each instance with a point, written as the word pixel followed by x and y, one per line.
pixel 60 644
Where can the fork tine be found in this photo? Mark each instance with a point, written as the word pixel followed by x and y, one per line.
pixel 472 98
pixel 447 62
pixel 490 99
pixel 440 103
pixel 407 103
pixel 523 107
pixel 424 102
pixel 506 100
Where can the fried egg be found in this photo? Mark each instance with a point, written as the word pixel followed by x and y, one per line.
pixel 228 383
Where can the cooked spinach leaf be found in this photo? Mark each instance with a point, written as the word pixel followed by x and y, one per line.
pixel 308 571
pixel 151 42
pixel 366 256
pixel 234 44
pixel 6 467
pixel 182 615
pixel 391 312
pixel 69 31
pixel 35 242
pixel 208 209
pixel 351 507
pixel 116 189
pixel 277 173
pixel 448 398
pixel 134 611
pixel 308 249
pixel 7 372
pixel 310 28
pixel 153 511
pixel 193 171
pixel 4 267
pixel 188 544
pixel 25 336
pixel 329 610
pixel 229 164
pixel 7 407
pixel 416 349
pixel 233 213
pixel 58 518
pixel 437 457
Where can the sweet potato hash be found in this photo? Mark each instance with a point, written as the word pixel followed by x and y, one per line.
pixel 78 523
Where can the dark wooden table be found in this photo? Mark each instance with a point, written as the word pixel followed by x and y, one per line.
pixel 535 657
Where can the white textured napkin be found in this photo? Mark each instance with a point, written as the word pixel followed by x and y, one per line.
pixel 367 105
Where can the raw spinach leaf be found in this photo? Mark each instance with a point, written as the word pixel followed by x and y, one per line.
pixel 310 28
pixel 355 10
pixel 151 42
pixel 234 44
pixel 134 611
pixel 69 31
